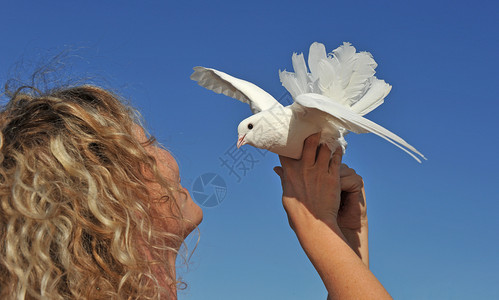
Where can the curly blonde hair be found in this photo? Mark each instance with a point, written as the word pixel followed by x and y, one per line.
pixel 76 217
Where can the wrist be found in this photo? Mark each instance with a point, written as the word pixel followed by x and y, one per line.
pixel 302 218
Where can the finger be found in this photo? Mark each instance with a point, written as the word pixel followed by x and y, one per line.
pixel 351 183
pixel 285 161
pixel 279 171
pixel 346 171
pixel 335 163
pixel 323 157
pixel 309 149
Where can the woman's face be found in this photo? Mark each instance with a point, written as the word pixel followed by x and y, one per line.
pixel 169 169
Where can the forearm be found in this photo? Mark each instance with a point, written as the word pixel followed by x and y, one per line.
pixel 343 273
pixel 357 239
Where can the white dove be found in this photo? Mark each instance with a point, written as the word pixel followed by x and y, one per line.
pixel 332 98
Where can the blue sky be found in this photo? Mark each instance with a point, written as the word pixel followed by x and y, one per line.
pixel 433 227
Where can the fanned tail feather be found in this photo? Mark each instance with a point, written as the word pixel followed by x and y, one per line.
pixel 288 80
pixel 326 75
pixel 374 97
pixel 300 69
pixel 316 54
pixel 364 66
pixel 345 58
pixel 344 76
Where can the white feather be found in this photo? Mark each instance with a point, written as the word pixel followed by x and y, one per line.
pixel 300 69
pixel 288 80
pixel 352 121
pixel 239 89
pixel 374 97
pixel 316 53
pixel 326 75
pixel 363 69
pixel 345 58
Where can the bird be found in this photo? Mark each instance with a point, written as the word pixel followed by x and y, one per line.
pixel 331 96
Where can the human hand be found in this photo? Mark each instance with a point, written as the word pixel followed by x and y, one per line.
pixel 311 192
pixel 311 185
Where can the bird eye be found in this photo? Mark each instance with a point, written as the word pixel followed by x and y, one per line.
pixel 250 126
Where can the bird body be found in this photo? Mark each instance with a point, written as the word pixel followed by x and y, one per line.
pixel 332 99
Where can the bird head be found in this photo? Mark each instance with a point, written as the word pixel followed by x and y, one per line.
pixel 262 130
pixel 246 131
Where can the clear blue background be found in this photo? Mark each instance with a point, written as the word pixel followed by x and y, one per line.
pixel 433 227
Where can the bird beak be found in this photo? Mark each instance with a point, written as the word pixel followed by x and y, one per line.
pixel 240 141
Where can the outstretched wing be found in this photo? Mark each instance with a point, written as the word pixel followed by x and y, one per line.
pixel 239 89
pixel 353 121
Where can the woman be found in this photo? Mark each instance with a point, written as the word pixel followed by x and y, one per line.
pixel 92 208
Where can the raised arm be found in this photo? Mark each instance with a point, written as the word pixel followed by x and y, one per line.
pixel 312 198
